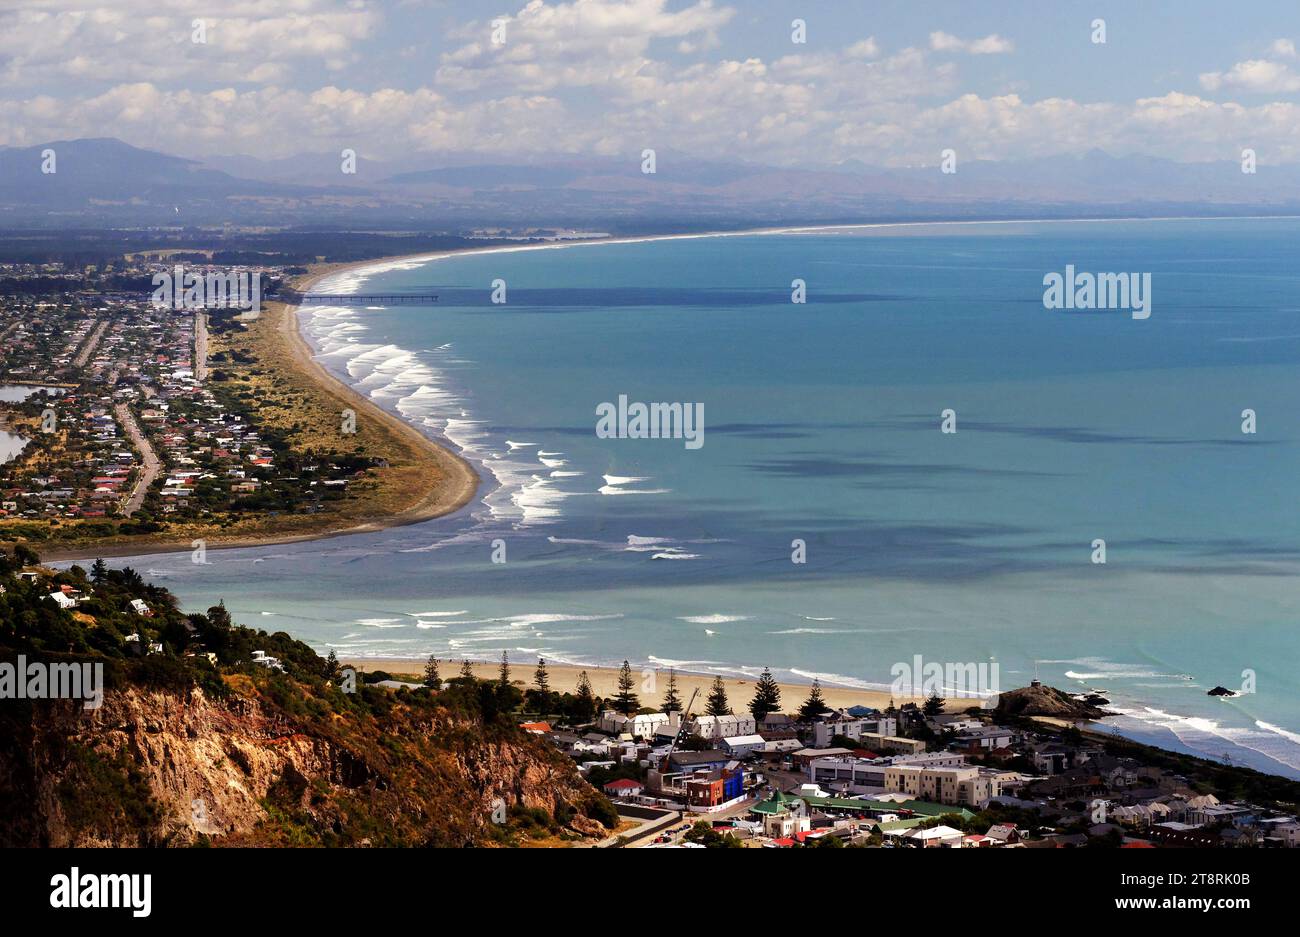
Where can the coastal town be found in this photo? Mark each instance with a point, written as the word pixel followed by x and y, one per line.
pixel 1034 768
pixel 934 775
pixel 131 418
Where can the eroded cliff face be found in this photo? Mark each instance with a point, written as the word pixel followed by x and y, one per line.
pixel 159 768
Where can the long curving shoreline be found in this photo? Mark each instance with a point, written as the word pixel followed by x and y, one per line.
pixel 461 479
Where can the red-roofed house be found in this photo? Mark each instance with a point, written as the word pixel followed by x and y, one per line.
pixel 624 787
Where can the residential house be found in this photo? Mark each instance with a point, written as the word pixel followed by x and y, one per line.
pixel 1003 834
pixel 986 737
pixel 624 789
pixel 640 726
pixel 716 728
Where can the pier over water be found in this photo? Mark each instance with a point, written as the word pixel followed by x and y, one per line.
pixel 417 296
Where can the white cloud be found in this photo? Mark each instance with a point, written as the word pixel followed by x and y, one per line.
pixel 586 42
pixel 1282 47
pixel 581 77
pixel 992 44
pixel 43 44
pixel 1256 75
pixel 732 109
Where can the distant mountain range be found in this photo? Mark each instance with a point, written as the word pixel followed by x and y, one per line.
pixel 105 181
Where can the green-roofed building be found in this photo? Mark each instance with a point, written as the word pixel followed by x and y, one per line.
pixel 776 804
pixel 921 808
pixel 902 824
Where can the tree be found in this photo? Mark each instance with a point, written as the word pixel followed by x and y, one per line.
pixel 504 679
pixel 584 709
pixel 704 835
pixel 432 679
pixel 767 697
pixel 99 571
pixel 934 705
pixel 331 665
pixel 540 678
pixel 625 701
pixel 717 704
pixel 814 705
pixel 690 742
pixel 672 701
pixel 219 617
pixel 466 671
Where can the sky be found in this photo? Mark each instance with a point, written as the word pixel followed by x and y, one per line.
pixel 882 83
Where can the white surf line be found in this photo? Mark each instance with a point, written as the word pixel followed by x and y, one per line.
pixel 360 273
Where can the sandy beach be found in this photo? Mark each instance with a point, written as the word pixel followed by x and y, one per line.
pixel 604 681
pixel 458 482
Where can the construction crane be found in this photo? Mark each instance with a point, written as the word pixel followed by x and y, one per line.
pixel 681 727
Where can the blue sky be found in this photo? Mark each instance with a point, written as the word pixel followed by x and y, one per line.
pixel 886 82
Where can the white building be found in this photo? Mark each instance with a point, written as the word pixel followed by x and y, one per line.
pixel 987 737
pixel 640 726
pixel 867 775
pixel 936 836
pixel 785 825
pixel 1288 832
pixel 777 746
pixel 741 746
pixel 717 728
pixel 965 785
pixel 851 727
pixel 271 663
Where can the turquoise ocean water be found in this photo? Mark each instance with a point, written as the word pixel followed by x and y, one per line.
pixel 822 424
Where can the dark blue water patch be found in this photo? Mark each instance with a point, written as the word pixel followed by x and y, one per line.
pixel 864 468
pixel 1071 434
pixel 563 299
pixel 776 430
pixel 1216 548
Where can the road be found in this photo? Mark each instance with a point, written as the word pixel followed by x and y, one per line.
pixel 88 349
pixel 200 347
pixel 151 464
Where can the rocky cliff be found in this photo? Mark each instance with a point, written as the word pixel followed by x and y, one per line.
pixel 1042 700
pixel 238 767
